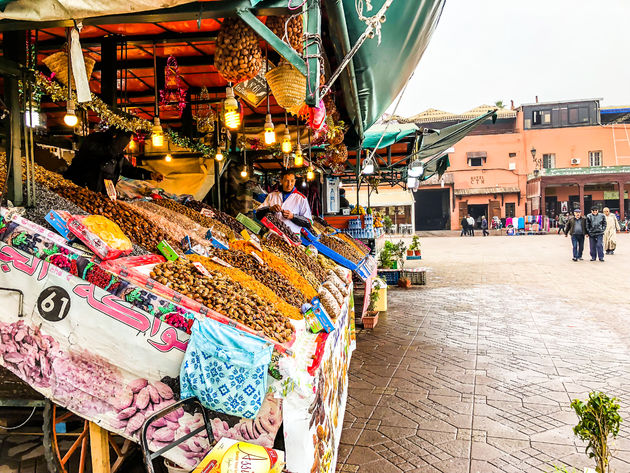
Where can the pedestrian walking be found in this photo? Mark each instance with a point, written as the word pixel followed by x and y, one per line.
pixel 595 228
pixel 610 235
pixel 464 227
pixel 484 226
pixel 471 225
pixel 576 227
pixel 562 221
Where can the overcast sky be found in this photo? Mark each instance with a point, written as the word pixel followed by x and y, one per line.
pixel 488 50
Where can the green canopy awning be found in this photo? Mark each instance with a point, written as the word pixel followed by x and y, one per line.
pixel 437 143
pixel 390 132
pixel 377 73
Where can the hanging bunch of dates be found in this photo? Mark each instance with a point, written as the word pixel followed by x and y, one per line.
pixel 291 26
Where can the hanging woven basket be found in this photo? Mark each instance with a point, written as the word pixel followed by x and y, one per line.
pixel 288 86
pixel 58 63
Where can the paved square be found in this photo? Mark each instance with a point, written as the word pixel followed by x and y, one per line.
pixel 475 371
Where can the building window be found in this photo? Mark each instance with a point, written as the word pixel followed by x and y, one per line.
pixel 510 209
pixel 549 161
pixel 512 155
pixel 595 158
pixel 578 115
pixel 475 162
pixel 537 117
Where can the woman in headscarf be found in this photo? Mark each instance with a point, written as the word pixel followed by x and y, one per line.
pixel 610 235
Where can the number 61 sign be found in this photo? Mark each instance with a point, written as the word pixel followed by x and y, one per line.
pixel 53 303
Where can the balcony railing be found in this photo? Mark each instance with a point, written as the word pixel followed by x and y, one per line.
pixel 580 171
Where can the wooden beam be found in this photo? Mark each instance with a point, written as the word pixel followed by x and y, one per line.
pixel 99 447
pixel 134 40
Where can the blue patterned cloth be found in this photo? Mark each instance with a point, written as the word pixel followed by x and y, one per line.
pixel 226 369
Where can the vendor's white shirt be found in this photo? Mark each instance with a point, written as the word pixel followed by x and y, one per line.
pixel 296 203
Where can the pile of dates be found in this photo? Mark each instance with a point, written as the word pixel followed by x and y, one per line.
pixel 218 292
pixel 339 247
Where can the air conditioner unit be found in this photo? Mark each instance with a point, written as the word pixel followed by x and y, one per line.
pixel 512 166
pixel 575 160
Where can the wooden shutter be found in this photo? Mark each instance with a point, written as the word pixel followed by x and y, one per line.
pixel 494 209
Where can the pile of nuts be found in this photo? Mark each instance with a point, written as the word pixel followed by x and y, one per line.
pixel 202 220
pixel 294 30
pixel 238 56
pixel 352 246
pixel 226 219
pixel 295 253
pixel 340 247
pixel 262 273
pixel 220 293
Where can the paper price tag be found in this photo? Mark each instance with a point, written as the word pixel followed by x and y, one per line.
pixel 207 213
pixel 201 268
pixel 111 189
pixel 221 262
pixel 258 258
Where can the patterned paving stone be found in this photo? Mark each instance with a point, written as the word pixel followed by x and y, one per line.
pixel 475 371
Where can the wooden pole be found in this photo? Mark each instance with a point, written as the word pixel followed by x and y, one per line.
pixel 99 446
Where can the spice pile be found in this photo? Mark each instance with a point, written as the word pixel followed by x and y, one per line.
pixel 220 293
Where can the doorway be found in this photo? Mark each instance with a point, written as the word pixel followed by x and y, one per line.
pixel 477 211
pixel 551 206
pixel 432 209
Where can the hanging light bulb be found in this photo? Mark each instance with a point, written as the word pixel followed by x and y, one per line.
pixel 219 155
pixel 132 146
pixel 231 115
pixel 299 158
pixel 157 134
pixel 168 158
pixel 310 173
pixel 368 168
pixel 270 134
pixel 244 172
pixel 416 169
pixel 286 142
pixel 70 118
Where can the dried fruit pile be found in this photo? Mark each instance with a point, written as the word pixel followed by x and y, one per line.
pixel 279 265
pixel 262 273
pixel 340 247
pixel 220 293
pixel 249 282
pixel 226 219
pixel 297 254
pixel 280 225
pixel 202 220
pixel 352 246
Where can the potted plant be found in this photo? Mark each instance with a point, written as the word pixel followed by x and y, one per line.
pixel 386 256
pixel 415 245
pixel 598 420
pixel 370 319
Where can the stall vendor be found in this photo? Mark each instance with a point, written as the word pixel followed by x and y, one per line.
pixel 101 156
pixel 290 205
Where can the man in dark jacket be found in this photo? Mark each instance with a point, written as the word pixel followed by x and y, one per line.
pixel 465 229
pixel 576 226
pixel 595 227
pixel 101 156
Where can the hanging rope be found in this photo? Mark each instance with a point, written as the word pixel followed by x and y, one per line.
pixel 372 21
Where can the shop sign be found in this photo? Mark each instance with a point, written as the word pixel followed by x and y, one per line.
pixel 610 195
pixel 477 180
pixel 254 90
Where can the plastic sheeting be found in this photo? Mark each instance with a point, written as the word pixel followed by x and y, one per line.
pixel 38 10
pixel 184 176
pixel 391 133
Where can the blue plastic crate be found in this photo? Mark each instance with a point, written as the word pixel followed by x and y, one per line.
pixel 390 276
pixel 309 239
pixel 354 224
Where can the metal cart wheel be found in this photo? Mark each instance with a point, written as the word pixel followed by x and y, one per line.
pixel 68 452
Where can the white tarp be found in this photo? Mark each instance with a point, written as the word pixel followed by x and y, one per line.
pixel 49 10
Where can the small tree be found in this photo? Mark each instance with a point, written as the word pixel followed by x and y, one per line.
pixel 598 419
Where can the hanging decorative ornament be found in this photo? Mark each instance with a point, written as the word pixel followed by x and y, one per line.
pixel 173 96
pixel 204 114
pixel 317 116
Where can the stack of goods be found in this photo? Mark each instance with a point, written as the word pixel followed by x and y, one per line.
pixel 138 228
pixel 297 258
pixel 220 230
pixel 249 282
pixel 221 294
pixel 342 248
pixel 280 225
pixel 262 273
pixel 226 219
pixel 279 265
pixel 333 292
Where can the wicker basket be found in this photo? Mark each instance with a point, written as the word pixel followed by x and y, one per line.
pixel 288 86
pixel 58 63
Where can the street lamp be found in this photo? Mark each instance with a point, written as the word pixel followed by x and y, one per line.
pixel 537 162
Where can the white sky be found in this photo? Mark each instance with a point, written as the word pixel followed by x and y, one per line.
pixel 488 50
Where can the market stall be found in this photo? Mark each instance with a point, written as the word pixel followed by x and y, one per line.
pixel 126 285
